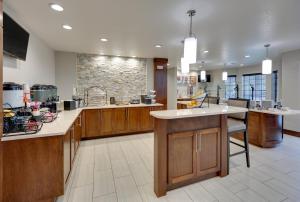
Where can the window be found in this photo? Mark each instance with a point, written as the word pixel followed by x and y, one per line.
pixel 256 81
pixel 230 84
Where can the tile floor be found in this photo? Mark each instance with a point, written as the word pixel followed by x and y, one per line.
pixel 121 169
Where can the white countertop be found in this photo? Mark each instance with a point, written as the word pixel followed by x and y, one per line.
pixel 64 121
pixel 187 113
pixel 277 112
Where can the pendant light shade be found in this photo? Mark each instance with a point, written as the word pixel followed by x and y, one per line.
pixel 267 63
pixel 224 76
pixel 190 43
pixel 190 50
pixel 267 66
pixel 203 75
pixel 185 66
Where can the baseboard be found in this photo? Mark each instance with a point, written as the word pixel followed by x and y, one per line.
pixel 291 132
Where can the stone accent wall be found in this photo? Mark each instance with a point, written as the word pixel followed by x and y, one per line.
pixel 121 77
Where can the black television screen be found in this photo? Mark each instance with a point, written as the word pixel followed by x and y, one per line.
pixel 208 79
pixel 15 38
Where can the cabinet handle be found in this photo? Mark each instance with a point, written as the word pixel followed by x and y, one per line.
pixel 200 143
pixel 196 143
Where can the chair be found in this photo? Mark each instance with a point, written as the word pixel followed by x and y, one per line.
pixel 238 123
pixel 212 100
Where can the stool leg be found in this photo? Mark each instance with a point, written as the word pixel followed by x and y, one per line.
pixel 228 153
pixel 247 148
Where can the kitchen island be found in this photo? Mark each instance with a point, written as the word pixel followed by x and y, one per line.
pixel 190 145
pixel 265 127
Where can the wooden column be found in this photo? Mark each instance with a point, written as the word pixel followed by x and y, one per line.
pixel 1 112
pixel 160 157
pixel 160 80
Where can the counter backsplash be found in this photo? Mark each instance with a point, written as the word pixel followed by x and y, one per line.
pixel 119 76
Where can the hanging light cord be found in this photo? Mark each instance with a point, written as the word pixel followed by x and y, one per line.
pixel 191 14
pixel 267 50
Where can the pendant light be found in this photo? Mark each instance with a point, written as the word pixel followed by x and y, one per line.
pixel 267 63
pixel 190 43
pixel 185 66
pixel 203 73
pixel 224 74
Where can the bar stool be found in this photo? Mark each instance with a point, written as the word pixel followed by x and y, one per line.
pixel 238 123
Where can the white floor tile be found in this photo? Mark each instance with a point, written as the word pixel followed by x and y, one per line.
pixel 198 194
pixel 103 183
pixel 121 169
pixel 250 196
pixel 106 198
pixel 83 175
pixel 148 195
pixel 127 190
pixel 81 194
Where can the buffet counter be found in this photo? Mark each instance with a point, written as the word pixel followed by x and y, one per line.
pixel 66 118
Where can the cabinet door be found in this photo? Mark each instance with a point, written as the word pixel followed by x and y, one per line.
pixel 92 123
pixel 119 120
pixel 181 157
pixel 78 129
pixel 106 116
pixel 146 122
pixel 133 119
pixel 67 155
pixel 208 151
pixel 73 142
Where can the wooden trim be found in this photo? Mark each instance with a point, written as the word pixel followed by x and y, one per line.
pixel 1 120
pixel 161 80
pixel 291 132
pixel 160 157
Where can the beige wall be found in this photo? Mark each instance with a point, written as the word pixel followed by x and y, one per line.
pixel 65 74
pixel 39 66
pixel 291 87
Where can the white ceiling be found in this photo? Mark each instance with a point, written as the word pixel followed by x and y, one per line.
pixel 228 29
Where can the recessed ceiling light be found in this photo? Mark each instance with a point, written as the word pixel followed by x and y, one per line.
pixel 104 40
pixel 133 56
pixel 206 51
pixel 68 27
pixel 158 46
pixel 247 56
pixel 56 7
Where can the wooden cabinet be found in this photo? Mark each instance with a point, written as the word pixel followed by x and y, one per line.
pixel 119 120
pixel 78 131
pixel 73 142
pixel 193 154
pixel 106 121
pixel 134 119
pixel 113 121
pixel 182 157
pixel 67 155
pixel 208 151
pixel 92 123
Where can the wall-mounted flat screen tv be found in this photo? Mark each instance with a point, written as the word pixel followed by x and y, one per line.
pixel 208 79
pixel 15 38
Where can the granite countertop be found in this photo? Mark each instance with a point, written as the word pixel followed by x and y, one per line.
pixel 277 111
pixel 196 112
pixel 65 120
